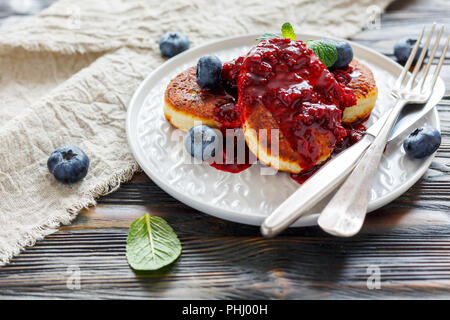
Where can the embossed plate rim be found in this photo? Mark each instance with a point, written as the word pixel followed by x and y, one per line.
pixel 140 95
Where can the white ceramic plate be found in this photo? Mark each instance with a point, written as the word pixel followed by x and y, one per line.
pixel 248 197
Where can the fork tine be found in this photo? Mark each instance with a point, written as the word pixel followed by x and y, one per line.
pixel 431 58
pixel 401 78
pixel 439 66
pixel 421 57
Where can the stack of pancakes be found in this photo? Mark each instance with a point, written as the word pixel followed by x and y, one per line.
pixel 186 103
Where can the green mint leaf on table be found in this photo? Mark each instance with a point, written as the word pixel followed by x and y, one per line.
pixel 268 35
pixel 326 52
pixel 151 244
pixel 288 32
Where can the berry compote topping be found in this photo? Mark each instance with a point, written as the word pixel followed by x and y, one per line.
pixel 343 75
pixel 303 97
pixel 355 132
pixel 299 91
pixel 230 73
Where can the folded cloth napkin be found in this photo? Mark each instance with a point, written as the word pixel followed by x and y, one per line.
pixel 67 75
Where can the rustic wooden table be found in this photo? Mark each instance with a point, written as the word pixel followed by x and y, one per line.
pixel 407 241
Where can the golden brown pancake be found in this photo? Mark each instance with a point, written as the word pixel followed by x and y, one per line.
pixel 185 102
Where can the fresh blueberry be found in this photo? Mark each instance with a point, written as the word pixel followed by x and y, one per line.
pixel 173 43
pixel 344 51
pixel 422 142
pixel 209 70
pixel 403 48
pixel 68 164
pixel 201 142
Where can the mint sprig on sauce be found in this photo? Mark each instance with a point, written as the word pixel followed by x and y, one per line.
pixel 288 32
pixel 151 244
pixel 325 51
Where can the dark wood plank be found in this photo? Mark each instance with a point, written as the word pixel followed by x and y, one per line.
pixel 409 239
pixel 227 260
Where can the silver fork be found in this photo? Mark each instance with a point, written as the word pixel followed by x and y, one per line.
pixel 345 213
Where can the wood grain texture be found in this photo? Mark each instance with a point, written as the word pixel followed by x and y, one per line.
pixel 408 240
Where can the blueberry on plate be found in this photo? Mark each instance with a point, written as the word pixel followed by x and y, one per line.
pixel 201 142
pixel 403 48
pixel 344 51
pixel 422 142
pixel 209 70
pixel 68 164
pixel 173 43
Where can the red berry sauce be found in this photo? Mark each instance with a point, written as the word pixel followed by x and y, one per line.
pixel 355 132
pixel 302 95
pixel 226 115
pixel 238 162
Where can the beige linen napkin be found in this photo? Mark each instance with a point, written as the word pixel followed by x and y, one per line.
pixel 67 75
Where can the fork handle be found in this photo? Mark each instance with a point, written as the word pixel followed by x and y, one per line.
pixel 314 189
pixel 345 213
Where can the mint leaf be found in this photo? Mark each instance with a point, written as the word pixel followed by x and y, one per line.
pixel 151 243
pixel 267 35
pixel 288 32
pixel 326 52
